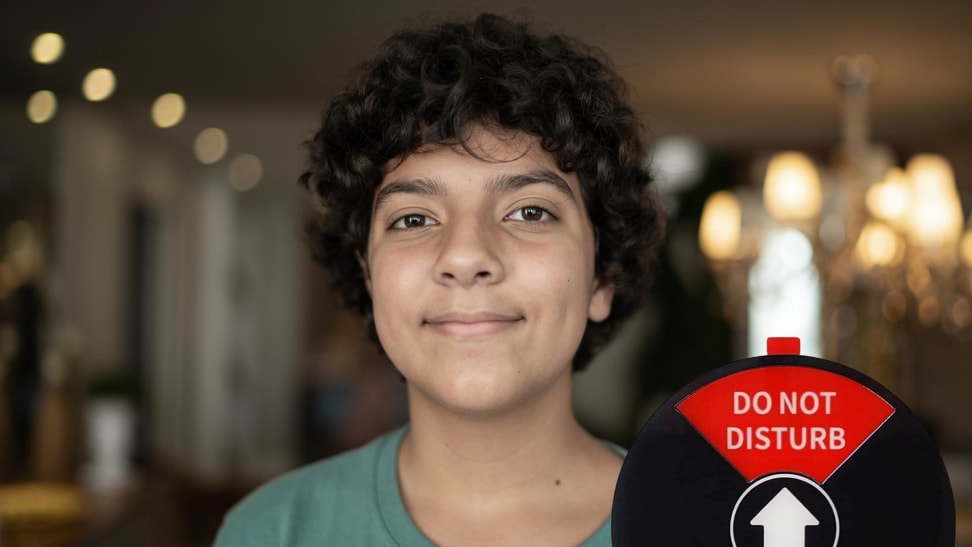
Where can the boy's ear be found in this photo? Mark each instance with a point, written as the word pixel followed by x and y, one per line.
pixel 601 297
pixel 364 270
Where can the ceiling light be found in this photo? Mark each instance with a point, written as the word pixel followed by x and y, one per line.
pixel 245 172
pixel 41 106
pixel 876 229
pixel 210 145
pixel 99 84
pixel 47 48
pixel 720 226
pixel 792 187
pixel 168 110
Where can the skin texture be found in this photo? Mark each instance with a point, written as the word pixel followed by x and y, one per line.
pixel 447 181
pixel 482 273
pixel 429 86
pixel 481 270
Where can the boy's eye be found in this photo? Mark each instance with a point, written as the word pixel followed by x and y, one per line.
pixel 530 213
pixel 412 221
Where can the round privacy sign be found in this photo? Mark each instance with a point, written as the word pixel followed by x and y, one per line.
pixel 783 451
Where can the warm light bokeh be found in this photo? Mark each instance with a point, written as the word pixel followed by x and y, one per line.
pixel 792 187
pixel 25 253
pixel 47 48
pixel 245 172
pixel 210 145
pixel 720 227
pixel 889 199
pixel 41 106
pixel 877 246
pixel 168 110
pixel 936 219
pixel 99 84
pixel 965 250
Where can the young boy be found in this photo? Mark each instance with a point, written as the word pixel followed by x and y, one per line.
pixel 482 202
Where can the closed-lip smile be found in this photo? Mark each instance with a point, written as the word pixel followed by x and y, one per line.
pixel 471 325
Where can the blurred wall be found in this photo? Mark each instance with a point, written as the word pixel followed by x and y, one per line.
pixel 218 279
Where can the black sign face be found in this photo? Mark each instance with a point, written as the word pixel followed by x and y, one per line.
pixel 783 451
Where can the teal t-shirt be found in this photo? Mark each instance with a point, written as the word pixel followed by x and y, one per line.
pixel 350 499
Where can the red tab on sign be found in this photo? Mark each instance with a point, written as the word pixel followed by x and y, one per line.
pixel 785 418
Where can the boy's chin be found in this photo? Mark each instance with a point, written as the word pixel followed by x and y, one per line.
pixel 482 397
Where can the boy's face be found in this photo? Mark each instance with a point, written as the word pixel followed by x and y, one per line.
pixel 482 272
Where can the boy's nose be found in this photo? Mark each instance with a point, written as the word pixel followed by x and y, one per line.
pixel 468 255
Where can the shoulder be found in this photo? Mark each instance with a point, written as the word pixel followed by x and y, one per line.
pixel 316 500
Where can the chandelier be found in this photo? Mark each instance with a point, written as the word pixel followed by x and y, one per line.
pixel 895 233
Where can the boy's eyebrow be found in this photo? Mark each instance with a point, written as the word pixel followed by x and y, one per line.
pixel 501 184
pixel 513 182
pixel 429 187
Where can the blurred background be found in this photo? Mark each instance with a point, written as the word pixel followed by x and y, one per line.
pixel 166 343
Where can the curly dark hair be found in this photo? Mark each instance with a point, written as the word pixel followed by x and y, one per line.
pixel 430 86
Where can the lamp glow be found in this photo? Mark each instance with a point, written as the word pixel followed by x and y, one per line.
pixel 720 226
pixel 168 110
pixel 41 106
pixel 936 218
pixel 889 199
pixel 905 233
pixel 47 48
pixel 792 187
pixel 25 252
pixel 210 145
pixel 965 250
pixel 894 306
pixel 877 245
pixel 99 84
pixel 245 172
pixel 961 312
pixel 929 311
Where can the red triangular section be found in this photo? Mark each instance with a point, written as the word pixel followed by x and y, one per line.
pixel 785 418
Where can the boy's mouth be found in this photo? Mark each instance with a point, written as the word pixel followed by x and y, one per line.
pixel 471 325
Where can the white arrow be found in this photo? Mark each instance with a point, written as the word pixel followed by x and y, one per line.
pixel 784 520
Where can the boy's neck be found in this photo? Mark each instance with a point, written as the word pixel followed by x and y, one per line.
pixel 488 453
pixel 529 476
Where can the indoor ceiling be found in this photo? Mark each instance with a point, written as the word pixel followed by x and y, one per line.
pixel 742 71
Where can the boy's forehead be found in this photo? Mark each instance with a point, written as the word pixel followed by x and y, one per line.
pixel 516 159
pixel 487 145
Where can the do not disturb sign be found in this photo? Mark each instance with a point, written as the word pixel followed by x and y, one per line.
pixel 785 418
pixel 783 450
